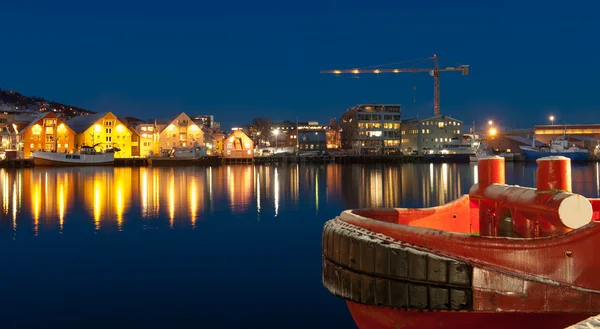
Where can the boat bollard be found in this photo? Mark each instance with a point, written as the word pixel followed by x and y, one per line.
pixel 554 173
pixel 490 170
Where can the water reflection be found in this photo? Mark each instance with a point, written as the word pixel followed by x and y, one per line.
pixel 35 201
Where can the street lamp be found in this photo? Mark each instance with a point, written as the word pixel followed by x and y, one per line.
pixel 318 139
pixel 552 119
pixel 276 132
pixel 490 122
pixel 493 132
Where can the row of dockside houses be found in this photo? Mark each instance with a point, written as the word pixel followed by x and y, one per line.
pixel 47 132
pixel 372 129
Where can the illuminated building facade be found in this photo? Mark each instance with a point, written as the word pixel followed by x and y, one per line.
pixel 180 131
pixel 238 146
pixel 148 139
pixel 102 130
pixel 47 133
pixel 372 129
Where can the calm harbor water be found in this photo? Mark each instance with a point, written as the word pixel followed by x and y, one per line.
pixel 202 247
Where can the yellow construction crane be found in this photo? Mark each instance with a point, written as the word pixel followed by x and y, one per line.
pixel 434 72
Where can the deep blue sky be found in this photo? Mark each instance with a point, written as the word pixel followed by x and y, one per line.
pixel 244 59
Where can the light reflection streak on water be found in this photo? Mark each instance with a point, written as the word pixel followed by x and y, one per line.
pixel 5 187
pixel 431 178
pixel 210 187
pixel 20 187
pixel 193 201
pixel 317 190
pixel 36 206
pixel 171 200
pixel 14 207
pixel 144 200
pixel 444 189
pixel 258 193
pixel 376 188
pixel 97 201
pixel 61 205
pixel 120 202
pixel 276 192
pixel 155 192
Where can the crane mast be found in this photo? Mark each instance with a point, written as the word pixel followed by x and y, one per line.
pixel 434 72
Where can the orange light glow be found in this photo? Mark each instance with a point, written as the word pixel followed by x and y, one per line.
pixel 172 200
pixel 97 201
pixel 355 71
pixel 193 201
pixel 120 202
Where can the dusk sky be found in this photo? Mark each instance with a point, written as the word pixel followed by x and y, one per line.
pixel 243 59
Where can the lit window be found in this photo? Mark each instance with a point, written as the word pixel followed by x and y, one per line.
pixel 31 145
pixel 66 146
pixel 144 129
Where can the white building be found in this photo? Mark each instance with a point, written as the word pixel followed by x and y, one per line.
pixel 430 134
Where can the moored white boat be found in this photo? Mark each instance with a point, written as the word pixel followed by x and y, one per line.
pixel 87 156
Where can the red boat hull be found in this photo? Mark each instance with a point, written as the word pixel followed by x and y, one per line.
pixel 374 317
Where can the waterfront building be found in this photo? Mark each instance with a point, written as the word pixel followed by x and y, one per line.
pixel 238 146
pixel 180 131
pixel 47 132
pixel 372 129
pixel 148 139
pixel 135 142
pixel 213 140
pixel 308 137
pixel 103 131
pixel 430 134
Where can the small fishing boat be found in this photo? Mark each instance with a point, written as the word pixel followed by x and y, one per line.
pixel 500 257
pixel 87 156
